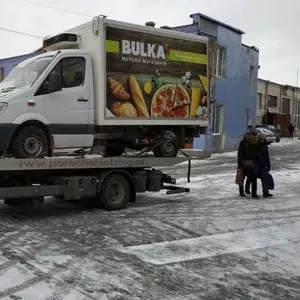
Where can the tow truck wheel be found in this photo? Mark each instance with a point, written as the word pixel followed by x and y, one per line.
pixel 115 192
pixel 165 144
pixel 30 142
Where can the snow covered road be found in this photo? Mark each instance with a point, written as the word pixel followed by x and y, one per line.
pixel 208 244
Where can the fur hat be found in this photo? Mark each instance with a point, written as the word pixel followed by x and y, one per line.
pixel 262 137
pixel 252 130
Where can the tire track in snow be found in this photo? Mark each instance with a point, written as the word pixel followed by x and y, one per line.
pixel 209 246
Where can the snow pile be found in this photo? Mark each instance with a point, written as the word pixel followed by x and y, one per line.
pixel 232 154
pixel 285 142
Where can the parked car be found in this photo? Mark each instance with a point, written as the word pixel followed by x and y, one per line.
pixel 273 129
pixel 270 136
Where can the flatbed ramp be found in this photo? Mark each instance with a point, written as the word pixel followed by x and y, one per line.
pixel 112 182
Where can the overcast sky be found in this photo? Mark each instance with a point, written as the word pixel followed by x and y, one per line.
pixel 272 26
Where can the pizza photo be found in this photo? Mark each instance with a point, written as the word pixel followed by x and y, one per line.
pixel 170 101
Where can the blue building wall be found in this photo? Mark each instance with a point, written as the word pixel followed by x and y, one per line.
pixel 232 91
pixel 10 62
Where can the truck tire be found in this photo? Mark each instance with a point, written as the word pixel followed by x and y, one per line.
pixel 165 144
pixel 30 142
pixel 115 192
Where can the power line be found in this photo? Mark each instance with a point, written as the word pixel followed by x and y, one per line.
pixel 22 33
pixel 44 5
pixel 56 8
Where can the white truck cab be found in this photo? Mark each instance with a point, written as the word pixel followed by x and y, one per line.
pixel 47 102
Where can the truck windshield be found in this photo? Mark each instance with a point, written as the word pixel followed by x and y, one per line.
pixel 26 73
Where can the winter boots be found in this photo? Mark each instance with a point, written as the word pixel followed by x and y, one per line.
pixel 268 195
pixel 254 195
pixel 241 190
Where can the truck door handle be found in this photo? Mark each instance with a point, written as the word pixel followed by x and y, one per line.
pixel 82 100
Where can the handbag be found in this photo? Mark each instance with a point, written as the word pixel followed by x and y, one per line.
pixel 270 181
pixel 239 178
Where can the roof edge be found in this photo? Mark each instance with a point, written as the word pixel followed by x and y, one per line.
pixel 21 55
pixel 280 84
pixel 218 22
pixel 251 47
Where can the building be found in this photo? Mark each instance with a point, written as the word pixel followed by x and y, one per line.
pixel 233 106
pixel 7 64
pixel 278 105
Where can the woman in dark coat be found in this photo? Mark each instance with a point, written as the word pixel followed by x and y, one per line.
pixel 264 167
pixel 247 160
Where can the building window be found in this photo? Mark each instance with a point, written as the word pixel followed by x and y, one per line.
pixel 220 62
pixel 297 115
pixel 259 101
pixel 272 101
pixel 284 90
pixel 248 117
pixel 251 76
pixel 71 71
pixel 1 73
pixel 218 119
pixel 286 106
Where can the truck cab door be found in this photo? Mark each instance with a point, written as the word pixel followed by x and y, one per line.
pixel 68 99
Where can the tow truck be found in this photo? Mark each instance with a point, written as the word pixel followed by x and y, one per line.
pixel 111 182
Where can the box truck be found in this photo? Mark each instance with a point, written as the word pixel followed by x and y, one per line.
pixel 107 84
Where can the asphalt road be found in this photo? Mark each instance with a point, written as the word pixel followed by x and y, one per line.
pixel 208 244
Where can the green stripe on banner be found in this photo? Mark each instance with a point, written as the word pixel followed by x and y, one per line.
pixel 188 57
pixel 112 46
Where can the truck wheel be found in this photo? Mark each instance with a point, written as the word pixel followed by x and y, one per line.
pixel 165 144
pixel 115 192
pixel 30 142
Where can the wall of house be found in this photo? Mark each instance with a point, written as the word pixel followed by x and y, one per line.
pixel 235 98
pixel 283 93
pixel 7 64
pixel 234 91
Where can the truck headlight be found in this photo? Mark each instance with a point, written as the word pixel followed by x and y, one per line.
pixel 3 105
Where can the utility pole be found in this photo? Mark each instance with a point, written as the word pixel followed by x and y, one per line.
pixel 296 103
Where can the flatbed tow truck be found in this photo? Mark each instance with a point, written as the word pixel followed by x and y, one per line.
pixel 111 182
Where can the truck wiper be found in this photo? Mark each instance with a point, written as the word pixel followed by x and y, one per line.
pixel 8 89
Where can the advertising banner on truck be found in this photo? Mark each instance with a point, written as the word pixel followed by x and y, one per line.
pixel 154 76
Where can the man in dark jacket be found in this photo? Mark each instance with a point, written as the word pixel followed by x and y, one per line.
pixel 247 160
pixel 291 129
pixel 264 167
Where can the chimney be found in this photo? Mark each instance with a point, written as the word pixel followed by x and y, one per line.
pixel 150 24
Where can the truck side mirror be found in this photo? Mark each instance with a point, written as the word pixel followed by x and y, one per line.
pixel 52 83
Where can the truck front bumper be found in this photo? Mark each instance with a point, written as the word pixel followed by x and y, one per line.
pixel 6 134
